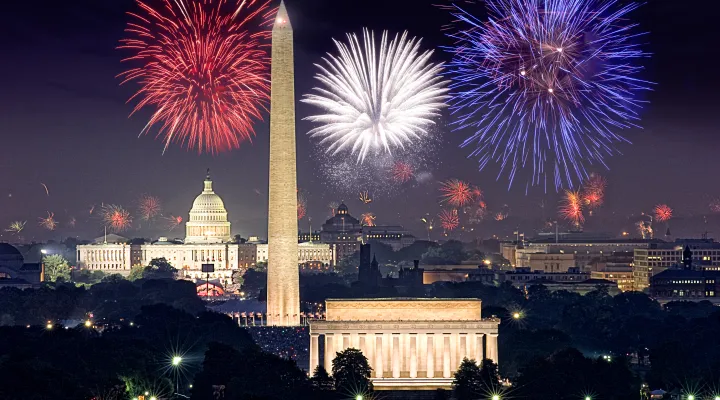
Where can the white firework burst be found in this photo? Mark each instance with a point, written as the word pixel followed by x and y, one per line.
pixel 376 99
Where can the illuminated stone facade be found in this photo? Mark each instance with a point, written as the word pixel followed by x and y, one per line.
pixel 283 284
pixel 307 252
pixel 208 218
pixel 411 344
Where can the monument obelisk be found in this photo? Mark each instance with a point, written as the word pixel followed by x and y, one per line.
pixel 283 285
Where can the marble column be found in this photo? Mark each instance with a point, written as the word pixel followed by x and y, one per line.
pixel 396 355
pixel 413 356
pixel 430 356
pixel 492 347
pixel 446 356
pixel 479 347
pixel 329 352
pixel 463 353
pixel 454 351
pixel 345 341
pixel 378 355
pixel 361 344
pixel 314 353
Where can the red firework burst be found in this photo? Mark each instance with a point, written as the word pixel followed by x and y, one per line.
pixel 49 223
pixel 149 207
pixel 715 205
pixel 301 205
pixel 571 208
pixel 116 218
pixel 368 219
pixel 402 171
pixel 456 192
pixel 203 68
pixel 593 192
pixel 663 212
pixel 449 219
pixel 174 222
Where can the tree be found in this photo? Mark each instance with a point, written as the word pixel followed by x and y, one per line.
pixel 351 372
pixel 467 384
pixel 56 268
pixel 159 268
pixel 261 266
pixel 136 272
pixel 321 380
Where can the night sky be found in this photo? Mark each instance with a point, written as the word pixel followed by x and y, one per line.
pixel 64 122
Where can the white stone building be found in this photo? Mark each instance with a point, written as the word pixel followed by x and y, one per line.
pixel 208 241
pixel 307 252
pixel 411 344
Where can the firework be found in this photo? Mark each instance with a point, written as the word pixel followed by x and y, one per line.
pixel 71 222
pixel 544 85
pixel 174 222
pixel 301 205
pixel 49 222
pixel 365 197
pixel 663 212
pixel 116 218
pixel 47 191
pixel 593 191
pixel 375 99
pixel 645 229
pixel 16 227
pixel 456 192
pixel 715 206
pixel 203 69
pixel 571 208
pixel 333 206
pixel 149 207
pixel 449 219
pixel 367 219
pixel 478 212
pixel 402 171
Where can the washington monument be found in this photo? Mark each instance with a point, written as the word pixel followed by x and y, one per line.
pixel 283 286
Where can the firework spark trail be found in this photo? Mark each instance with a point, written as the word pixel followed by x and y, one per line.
pixel 333 206
pixel 72 222
pixel 149 207
pixel 457 193
pixel 204 69
pixel 368 219
pixel 116 218
pixel 449 219
pixel 16 227
pixel 174 222
pixel 545 84
pixel 402 171
pixel 47 191
pixel 502 214
pixel 365 197
pixel 571 208
pixel 663 212
pixel 49 222
pixel 375 99
pixel 715 205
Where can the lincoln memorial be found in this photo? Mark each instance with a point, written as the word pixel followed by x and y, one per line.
pixel 412 344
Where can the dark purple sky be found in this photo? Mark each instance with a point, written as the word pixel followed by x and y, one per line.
pixel 64 122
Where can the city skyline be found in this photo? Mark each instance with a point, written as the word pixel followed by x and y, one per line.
pixel 64 107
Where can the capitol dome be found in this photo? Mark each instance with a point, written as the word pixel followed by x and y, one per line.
pixel 208 221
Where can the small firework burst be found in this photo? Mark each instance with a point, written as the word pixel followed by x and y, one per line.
pixel 593 192
pixel 71 222
pixel 16 227
pixel 663 212
pixel 456 192
pixel 149 207
pixel 301 205
pixel 333 206
pixel 571 208
pixel 715 205
pixel 402 171
pixel 645 229
pixel 116 218
pixel 368 219
pixel 49 222
pixel 449 219
pixel 365 197
pixel 173 221
pixel 502 214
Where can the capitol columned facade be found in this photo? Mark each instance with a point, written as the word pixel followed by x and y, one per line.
pixel 208 240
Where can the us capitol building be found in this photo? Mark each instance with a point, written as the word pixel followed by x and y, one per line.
pixel 208 240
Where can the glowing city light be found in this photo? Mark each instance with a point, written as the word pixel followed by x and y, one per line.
pixel 176 361
pixel 88 323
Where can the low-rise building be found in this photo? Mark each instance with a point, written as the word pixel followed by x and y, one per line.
pixel 547 262
pixel 660 256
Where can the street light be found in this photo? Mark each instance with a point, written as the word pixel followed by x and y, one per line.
pixel 691 397
pixel 516 315
pixel 176 361
pixel 359 397
pixel 49 325
pixel 588 398
pixel 496 397
pixel 88 323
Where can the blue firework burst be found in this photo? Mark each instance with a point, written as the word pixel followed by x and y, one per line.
pixel 545 85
